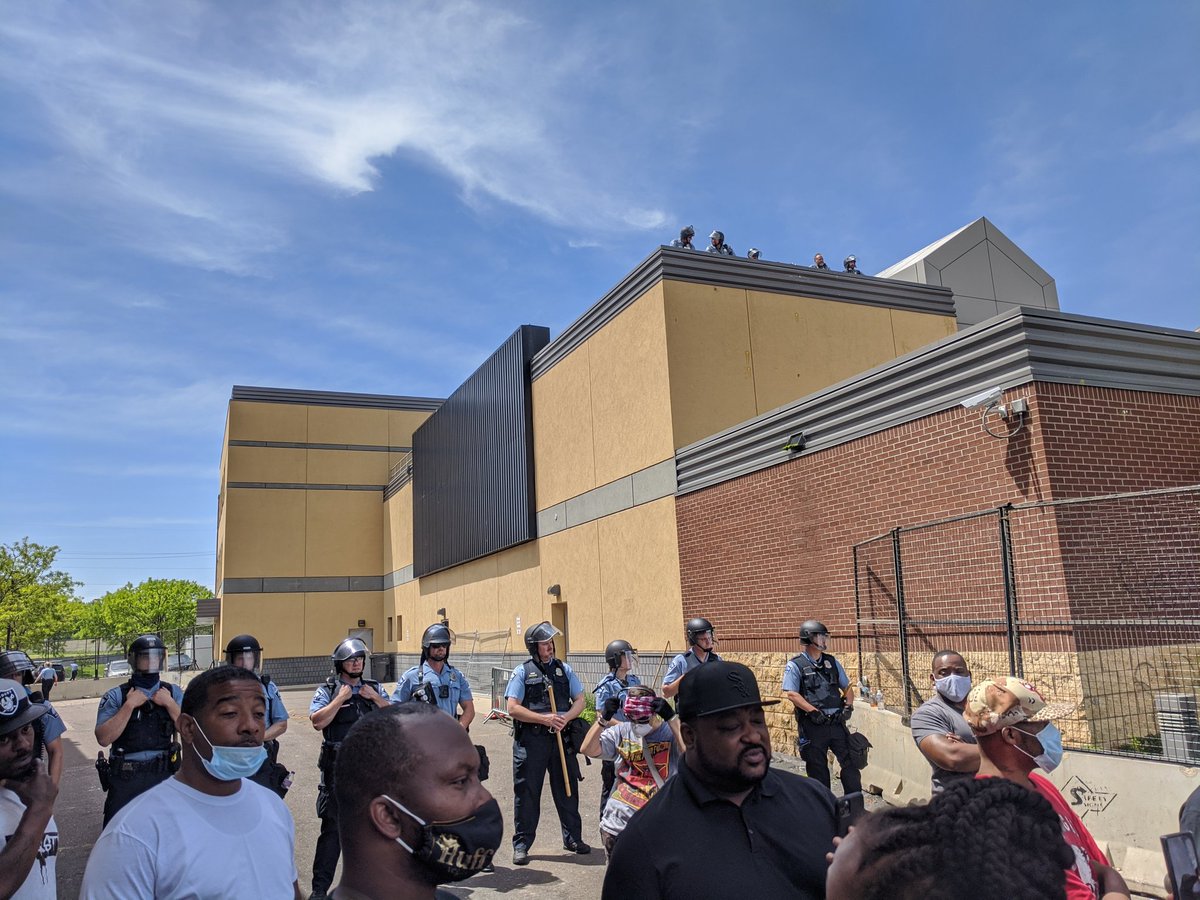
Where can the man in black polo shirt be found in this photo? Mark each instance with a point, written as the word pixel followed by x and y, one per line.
pixel 727 825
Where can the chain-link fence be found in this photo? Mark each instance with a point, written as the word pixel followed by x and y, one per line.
pixel 1095 600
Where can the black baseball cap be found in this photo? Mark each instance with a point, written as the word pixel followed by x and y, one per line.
pixel 16 710
pixel 717 687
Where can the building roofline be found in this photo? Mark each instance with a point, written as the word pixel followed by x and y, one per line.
pixel 333 398
pixel 1018 347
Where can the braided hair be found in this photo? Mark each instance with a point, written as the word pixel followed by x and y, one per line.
pixel 983 838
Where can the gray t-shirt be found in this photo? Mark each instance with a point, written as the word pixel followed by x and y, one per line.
pixel 937 716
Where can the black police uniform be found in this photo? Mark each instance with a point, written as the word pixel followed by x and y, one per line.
pixel 329 845
pixel 535 749
pixel 272 774
pixel 150 729
pixel 819 686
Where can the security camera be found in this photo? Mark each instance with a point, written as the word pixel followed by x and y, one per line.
pixel 984 398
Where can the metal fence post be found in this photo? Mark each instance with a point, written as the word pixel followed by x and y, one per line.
pixel 901 617
pixel 1016 665
pixel 857 615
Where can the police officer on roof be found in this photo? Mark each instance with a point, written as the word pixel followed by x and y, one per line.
pixel 337 704
pixel 716 244
pixel 701 641
pixel 435 680
pixel 138 719
pixel 610 697
pixel 684 241
pixel 818 687
pixel 48 729
pixel 535 747
pixel 245 652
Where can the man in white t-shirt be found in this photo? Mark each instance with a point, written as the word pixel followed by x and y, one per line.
pixel 28 833
pixel 207 832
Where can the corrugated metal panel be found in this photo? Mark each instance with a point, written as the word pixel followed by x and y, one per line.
pixel 333 398
pixel 473 489
pixel 667 263
pixel 1016 348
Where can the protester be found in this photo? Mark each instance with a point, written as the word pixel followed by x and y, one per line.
pixel 701 640
pixel 621 657
pixel 983 839
pixel 27 793
pixel 208 832
pixel 727 825
pixel 415 816
pixel 644 747
pixel 942 734
pixel 1013 723
pixel 49 728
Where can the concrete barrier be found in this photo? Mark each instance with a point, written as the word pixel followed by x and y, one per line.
pixel 84 688
pixel 1125 803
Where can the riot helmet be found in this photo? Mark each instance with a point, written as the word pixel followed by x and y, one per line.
pixel 543 631
pixel 16 665
pixel 809 632
pixel 437 633
pixel 718 237
pixel 618 651
pixel 696 627
pixel 350 648
pixel 152 649
pixel 850 262
pixel 245 651
pixel 687 233
pixel 753 253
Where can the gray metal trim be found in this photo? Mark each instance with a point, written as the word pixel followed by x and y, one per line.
pixel 648 484
pixel 303 585
pixel 397 578
pixel 333 398
pixel 698 267
pixel 1018 347
pixel 301 445
pixel 299 486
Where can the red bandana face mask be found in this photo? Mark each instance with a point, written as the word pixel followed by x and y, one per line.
pixel 639 708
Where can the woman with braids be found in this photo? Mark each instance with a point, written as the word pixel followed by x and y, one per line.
pixel 983 839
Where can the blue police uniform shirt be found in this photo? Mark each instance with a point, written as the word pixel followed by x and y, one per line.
pixel 678 667
pixel 516 684
pixel 111 703
pixel 276 712
pixel 791 677
pixel 54 726
pixel 610 686
pixel 459 689
pixel 322 697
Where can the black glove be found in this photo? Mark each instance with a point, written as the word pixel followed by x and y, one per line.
pixel 818 718
pixel 847 712
pixel 662 708
pixel 611 705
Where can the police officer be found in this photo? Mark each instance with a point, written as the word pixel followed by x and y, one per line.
pixel 701 641
pixel 851 265
pixel 818 687
pixel 48 729
pixel 245 652
pixel 337 704
pixel 138 719
pixel 819 262
pixel 435 680
pixel 535 747
pixel 610 697
pixel 717 244
pixel 684 241
pixel 753 253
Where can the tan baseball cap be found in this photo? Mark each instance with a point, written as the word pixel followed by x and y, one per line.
pixel 999 702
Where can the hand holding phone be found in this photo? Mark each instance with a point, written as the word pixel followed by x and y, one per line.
pixel 1179 849
pixel 850 809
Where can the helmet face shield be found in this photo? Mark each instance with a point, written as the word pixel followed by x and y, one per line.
pixel 245 659
pixel 631 660
pixel 149 661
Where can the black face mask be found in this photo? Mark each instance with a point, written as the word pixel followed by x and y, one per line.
pixel 145 680
pixel 459 849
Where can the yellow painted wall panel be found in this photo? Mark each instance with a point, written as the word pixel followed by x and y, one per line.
pixel 402 424
pixel 347 467
pixel 642 600
pixel 267 464
pixel 397 531
pixel 631 396
pixel 344 533
pixel 250 421
pixel 403 604
pixel 276 619
pixel 708 345
pixel 330 617
pixel 571 560
pixel 341 425
pixel 913 330
pixel 562 430
pixel 264 533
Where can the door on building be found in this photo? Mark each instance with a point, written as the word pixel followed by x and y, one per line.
pixel 558 618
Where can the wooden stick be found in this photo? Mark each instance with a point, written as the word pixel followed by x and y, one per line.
pixel 562 751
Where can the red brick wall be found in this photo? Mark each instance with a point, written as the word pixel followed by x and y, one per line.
pixel 763 552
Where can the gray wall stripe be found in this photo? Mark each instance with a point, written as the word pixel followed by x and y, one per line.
pixel 643 486
pixel 310 585
pixel 297 486
pixel 300 445
pixel 333 398
pixel 1009 350
pixel 397 578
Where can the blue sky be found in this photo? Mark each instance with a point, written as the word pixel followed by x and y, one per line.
pixel 371 197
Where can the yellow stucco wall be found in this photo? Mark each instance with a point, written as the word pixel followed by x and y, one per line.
pixel 268 464
pixel 277 620
pixel 252 421
pixel 344 533
pixel 397 530
pixel 264 533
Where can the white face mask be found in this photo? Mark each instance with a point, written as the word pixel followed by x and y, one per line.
pixel 954 687
pixel 641 731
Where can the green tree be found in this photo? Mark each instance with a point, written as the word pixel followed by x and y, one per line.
pixel 35 597
pixel 162 606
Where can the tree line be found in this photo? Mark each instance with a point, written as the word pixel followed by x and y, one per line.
pixel 40 609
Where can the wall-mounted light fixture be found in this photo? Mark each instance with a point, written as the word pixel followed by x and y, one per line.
pixel 795 443
pixel 554 591
pixel 362 623
pixel 442 615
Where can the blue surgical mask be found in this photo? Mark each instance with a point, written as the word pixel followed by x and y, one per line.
pixel 231 763
pixel 1052 747
pixel 954 687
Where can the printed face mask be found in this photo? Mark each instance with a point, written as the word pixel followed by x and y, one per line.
pixel 638 707
pixel 459 849
pixel 954 687
pixel 1052 747
pixel 231 763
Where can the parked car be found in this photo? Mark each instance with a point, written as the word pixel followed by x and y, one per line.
pixel 118 668
pixel 178 662
pixel 59 670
